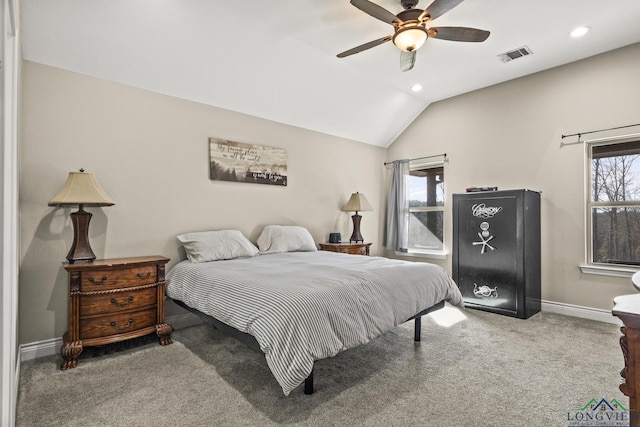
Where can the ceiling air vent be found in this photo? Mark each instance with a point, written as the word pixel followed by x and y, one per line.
pixel 515 54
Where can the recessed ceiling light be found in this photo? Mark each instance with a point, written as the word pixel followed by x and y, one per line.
pixel 416 87
pixel 580 31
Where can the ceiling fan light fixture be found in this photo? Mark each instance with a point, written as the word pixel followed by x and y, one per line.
pixel 410 38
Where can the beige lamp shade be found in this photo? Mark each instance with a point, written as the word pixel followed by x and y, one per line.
pixel 81 188
pixel 357 203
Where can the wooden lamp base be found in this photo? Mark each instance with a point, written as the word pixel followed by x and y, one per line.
pixel 81 249
pixel 356 236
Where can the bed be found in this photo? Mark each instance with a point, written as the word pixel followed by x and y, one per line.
pixel 304 306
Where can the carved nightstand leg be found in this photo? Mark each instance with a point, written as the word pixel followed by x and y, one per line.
pixel 163 331
pixel 624 387
pixel 70 352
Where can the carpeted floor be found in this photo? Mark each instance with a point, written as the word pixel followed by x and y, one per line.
pixel 486 370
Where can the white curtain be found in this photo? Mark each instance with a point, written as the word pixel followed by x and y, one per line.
pixel 398 208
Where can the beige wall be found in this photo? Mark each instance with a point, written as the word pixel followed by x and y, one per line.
pixel 150 154
pixel 509 136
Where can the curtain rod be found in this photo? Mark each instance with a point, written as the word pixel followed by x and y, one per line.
pixel 425 157
pixel 599 130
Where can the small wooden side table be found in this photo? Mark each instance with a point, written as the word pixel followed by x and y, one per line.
pixel 627 308
pixel 113 300
pixel 346 248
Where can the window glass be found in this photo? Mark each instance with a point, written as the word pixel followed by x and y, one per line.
pixel 426 231
pixel 426 209
pixel 616 235
pixel 426 187
pixel 614 204
pixel 615 172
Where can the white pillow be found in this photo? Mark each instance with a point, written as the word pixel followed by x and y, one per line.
pixel 216 245
pixel 285 238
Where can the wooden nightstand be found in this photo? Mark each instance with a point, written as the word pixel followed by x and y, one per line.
pixel 346 248
pixel 113 300
pixel 627 308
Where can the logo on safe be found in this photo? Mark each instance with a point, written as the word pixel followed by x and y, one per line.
pixel 481 210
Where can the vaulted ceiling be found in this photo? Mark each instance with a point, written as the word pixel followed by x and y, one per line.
pixel 276 59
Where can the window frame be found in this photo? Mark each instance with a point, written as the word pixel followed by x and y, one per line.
pixel 430 253
pixel 589 266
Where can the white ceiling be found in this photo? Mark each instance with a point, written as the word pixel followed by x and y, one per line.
pixel 276 59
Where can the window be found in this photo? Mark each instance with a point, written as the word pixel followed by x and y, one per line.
pixel 426 208
pixel 613 207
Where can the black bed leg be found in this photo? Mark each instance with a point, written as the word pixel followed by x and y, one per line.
pixel 416 331
pixel 308 384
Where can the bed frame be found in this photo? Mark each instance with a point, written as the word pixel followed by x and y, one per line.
pixel 251 342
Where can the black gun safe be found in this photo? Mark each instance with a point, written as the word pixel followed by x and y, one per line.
pixel 496 251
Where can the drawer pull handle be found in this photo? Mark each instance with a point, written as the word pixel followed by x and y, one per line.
pixel 122 326
pixel 92 280
pixel 142 276
pixel 122 304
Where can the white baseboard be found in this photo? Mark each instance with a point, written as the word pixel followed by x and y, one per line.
pixel 52 346
pixel 38 349
pixel 581 312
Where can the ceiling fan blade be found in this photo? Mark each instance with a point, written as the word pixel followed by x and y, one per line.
pixel 439 7
pixel 376 11
pixel 459 34
pixel 364 46
pixel 407 60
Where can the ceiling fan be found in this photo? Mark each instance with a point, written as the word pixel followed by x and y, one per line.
pixel 410 28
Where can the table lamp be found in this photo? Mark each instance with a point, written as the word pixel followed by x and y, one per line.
pixel 357 203
pixel 81 189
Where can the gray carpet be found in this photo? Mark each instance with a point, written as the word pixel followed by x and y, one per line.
pixel 487 370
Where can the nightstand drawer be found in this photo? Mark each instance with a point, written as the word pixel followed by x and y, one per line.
pixel 355 250
pixel 114 324
pixel 346 248
pixel 115 279
pixel 118 301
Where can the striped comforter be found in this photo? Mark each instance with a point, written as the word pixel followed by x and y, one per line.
pixel 306 306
